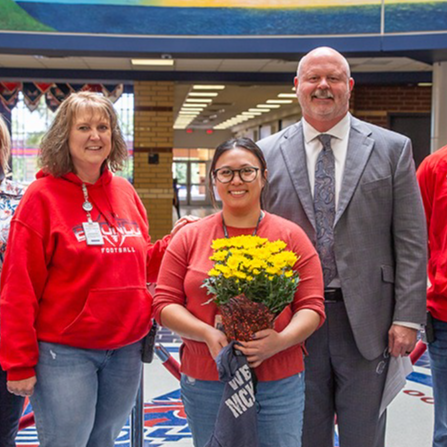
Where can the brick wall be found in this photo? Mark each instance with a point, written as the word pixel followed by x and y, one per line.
pixel 154 135
pixel 373 103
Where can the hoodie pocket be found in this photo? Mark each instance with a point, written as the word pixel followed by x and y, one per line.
pixel 112 317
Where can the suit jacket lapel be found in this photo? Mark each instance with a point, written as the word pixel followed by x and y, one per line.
pixel 359 150
pixel 294 154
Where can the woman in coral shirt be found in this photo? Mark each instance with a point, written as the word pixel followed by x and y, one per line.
pixel 239 174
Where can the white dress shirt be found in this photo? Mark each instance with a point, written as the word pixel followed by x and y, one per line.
pixel 339 144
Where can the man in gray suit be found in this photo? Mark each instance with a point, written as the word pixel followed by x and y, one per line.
pixel 352 187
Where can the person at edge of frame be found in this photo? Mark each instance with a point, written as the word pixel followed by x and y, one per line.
pixel 10 194
pixel 432 174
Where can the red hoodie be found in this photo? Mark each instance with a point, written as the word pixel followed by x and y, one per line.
pixel 432 177
pixel 56 288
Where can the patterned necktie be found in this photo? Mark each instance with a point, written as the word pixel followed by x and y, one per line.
pixel 324 206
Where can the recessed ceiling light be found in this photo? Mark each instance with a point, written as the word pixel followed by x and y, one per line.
pixel 424 84
pixel 202 94
pixel 202 100
pixel 153 62
pixel 279 101
pixel 208 87
pixel 191 109
pixel 250 114
pixel 259 110
pixel 199 106
pixel 287 95
pixel 268 106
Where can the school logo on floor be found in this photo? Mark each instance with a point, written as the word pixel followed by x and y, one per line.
pixel 165 420
pixel 164 423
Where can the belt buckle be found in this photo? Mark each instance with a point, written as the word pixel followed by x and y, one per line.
pixel 328 293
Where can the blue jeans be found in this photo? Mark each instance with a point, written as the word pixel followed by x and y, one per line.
pixel 280 405
pixel 84 396
pixel 10 411
pixel 438 362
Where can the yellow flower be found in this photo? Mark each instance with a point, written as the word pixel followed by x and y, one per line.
pixel 218 244
pixel 288 274
pixel 213 272
pixel 219 255
pixel 271 270
pixel 222 268
pixel 234 261
pixel 240 275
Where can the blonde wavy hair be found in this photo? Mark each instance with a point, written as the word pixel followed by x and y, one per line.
pixel 55 155
pixel 5 145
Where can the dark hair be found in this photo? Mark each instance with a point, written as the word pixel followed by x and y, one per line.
pixel 235 143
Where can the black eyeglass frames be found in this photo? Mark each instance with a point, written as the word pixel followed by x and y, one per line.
pixel 247 174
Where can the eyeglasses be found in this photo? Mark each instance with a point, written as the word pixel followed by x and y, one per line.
pixel 226 175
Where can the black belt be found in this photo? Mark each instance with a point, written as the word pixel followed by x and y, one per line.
pixel 333 296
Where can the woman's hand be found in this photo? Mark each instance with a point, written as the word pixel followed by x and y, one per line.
pixel 22 387
pixel 215 340
pixel 185 220
pixel 265 344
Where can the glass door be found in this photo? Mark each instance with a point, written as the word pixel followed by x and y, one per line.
pixel 192 183
pixel 198 185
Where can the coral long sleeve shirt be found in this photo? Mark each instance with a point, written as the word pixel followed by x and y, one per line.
pixel 186 265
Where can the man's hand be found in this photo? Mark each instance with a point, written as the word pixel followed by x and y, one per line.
pixel 401 340
pixel 22 387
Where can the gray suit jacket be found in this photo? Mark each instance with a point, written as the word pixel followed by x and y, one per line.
pixel 380 235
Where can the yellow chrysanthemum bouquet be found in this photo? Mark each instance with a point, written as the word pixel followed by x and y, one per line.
pixel 252 281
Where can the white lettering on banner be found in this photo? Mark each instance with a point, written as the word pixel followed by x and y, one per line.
pixel 244 396
pixel 242 373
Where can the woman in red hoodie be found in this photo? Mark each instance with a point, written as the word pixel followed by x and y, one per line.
pixel 74 303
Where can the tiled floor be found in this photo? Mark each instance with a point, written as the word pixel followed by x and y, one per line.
pixel 410 416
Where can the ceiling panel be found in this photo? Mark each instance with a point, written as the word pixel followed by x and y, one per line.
pixel 107 63
pixel 194 64
pixel 19 61
pixel 253 65
pixel 68 63
pixel 276 65
pixel 197 65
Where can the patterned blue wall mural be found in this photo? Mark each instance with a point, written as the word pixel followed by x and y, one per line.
pixel 224 17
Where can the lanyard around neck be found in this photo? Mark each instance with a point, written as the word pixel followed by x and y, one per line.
pixel 224 226
pixel 87 206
